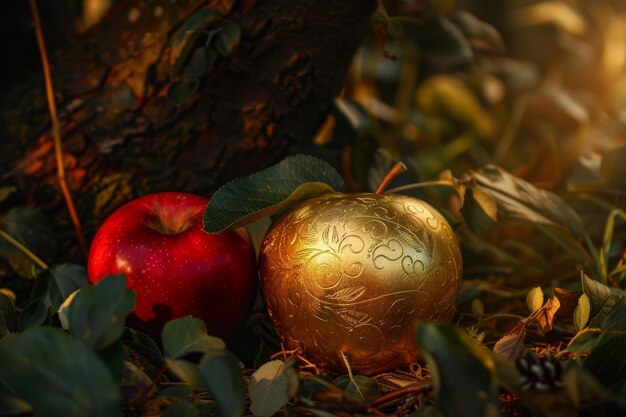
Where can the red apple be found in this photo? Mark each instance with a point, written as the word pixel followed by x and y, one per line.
pixel 175 267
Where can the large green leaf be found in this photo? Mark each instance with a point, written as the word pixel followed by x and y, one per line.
pixel 601 298
pixel 63 280
pixel 221 376
pixel 270 388
pixel 98 312
pixel 188 335
pixel 57 376
pixel 607 362
pixel 463 372
pixel 267 192
pixel 519 200
pixel 33 230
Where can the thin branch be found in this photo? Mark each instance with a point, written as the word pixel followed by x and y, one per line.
pixel 56 131
pixel 36 259
pixel 444 183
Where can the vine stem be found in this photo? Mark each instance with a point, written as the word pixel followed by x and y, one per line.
pixel 36 259
pixel 56 131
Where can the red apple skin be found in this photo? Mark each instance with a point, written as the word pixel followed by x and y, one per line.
pixel 211 277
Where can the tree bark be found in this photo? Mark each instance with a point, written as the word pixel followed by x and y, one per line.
pixel 124 137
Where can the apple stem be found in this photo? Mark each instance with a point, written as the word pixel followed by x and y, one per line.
pixel 397 169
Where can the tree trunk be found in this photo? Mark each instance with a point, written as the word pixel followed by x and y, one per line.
pixel 127 133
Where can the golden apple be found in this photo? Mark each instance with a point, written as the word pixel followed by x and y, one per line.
pixel 354 273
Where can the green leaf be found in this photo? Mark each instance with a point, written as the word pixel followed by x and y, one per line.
pixel 479 211
pixel 34 314
pixel 519 200
pixel 183 40
pixel 581 314
pixel 188 335
pixel 613 169
pixel 601 299
pixel 182 408
pixel 360 387
pixel 615 322
pixel 98 312
pixel 582 387
pixel 607 362
pixel 534 299
pixel 142 347
pixel 6 191
pixel 57 375
pixel 221 376
pixel 185 370
pixel 228 38
pixel 181 91
pixel 64 280
pixel 8 318
pixel 463 372
pixel 31 229
pixel 267 192
pixel 270 387
pixel 201 61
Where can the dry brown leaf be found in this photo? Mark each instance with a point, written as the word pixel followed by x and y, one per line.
pixel 511 346
pixel 568 300
pixel 545 318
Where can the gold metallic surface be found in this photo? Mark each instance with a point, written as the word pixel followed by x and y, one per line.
pixel 353 273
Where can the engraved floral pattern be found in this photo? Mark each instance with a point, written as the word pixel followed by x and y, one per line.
pixel 354 273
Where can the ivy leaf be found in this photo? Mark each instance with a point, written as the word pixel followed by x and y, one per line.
pixel 270 387
pixel 251 198
pixel 463 372
pixel 180 91
pixel 8 318
pixel 98 312
pixel 228 38
pixel 221 376
pixel 601 299
pixel 359 386
pixel 33 230
pixel 188 335
pixel 183 40
pixel 534 299
pixel 58 376
pixel 582 312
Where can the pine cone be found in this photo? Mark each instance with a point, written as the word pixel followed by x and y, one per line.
pixel 541 374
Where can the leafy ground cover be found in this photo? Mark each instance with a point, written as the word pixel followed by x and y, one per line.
pixel 523 152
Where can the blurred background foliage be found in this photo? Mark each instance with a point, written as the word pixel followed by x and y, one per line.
pixel 454 89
